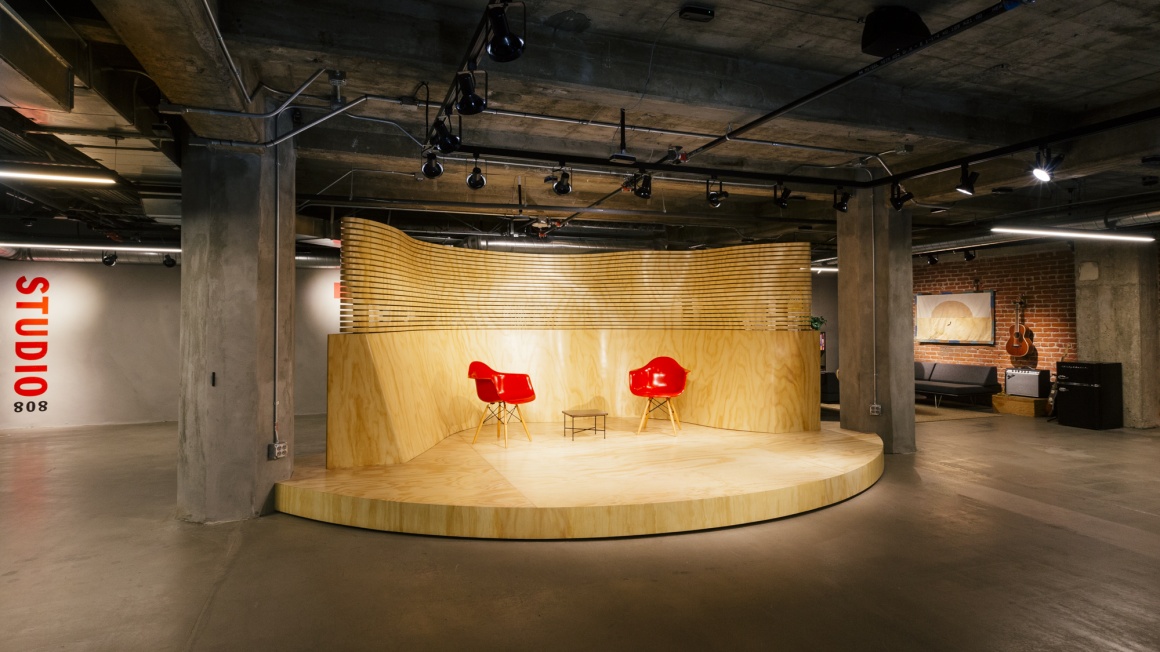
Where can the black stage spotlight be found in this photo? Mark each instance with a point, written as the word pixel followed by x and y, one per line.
pixel 899 198
pixel 470 102
pixel 969 255
pixel 841 204
pixel 715 196
pixel 564 185
pixel 504 46
pixel 109 259
pixel 967 181
pixel 476 180
pixel 168 261
pixel 1045 165
pixel 444 140
pixel 432 168
pixel 643 189
pixel 781 200
pixel 931 259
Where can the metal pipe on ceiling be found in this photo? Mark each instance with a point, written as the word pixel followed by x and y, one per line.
pixel 217 32
pixel 315 260
pixel 958 28
pixel 179 109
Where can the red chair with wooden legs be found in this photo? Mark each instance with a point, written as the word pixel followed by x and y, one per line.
pixel 659 381
pixel 499 391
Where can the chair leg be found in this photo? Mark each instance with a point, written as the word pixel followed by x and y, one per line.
pixel 482 418
pixel 676 414
pixel 672 419
pixel 644 417
pixel 523 423
pixel 499 421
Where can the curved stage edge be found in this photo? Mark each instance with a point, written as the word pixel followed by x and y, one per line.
pixel 592 487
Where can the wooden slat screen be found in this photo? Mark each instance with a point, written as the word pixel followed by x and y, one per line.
pixel 394 283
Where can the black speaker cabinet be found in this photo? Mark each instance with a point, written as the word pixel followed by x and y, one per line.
pixel 1091 395
pixel 1035 383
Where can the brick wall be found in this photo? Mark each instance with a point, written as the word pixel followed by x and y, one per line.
pixel 1047 279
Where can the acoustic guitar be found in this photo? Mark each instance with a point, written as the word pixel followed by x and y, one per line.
pixel 1018 345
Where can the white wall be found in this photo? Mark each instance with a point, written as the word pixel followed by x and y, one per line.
pixel 315 316
pixel 113 338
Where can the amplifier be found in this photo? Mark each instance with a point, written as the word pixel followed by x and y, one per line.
pixel 1035 383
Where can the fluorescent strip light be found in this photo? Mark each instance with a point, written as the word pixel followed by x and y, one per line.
pixel 824 269
pixel 41 176
pixel 1083 235
pixel 110 247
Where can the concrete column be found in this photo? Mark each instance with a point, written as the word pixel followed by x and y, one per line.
pixel 1116 320
pixel 875 295
pixel 230 334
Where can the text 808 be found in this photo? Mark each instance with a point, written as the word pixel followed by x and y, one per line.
pixel 30 406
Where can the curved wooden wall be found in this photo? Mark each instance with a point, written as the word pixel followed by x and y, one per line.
pixel 415 314
pixel 392 396
pixel 394 283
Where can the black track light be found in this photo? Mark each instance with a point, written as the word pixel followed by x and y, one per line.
pixel 969 255
pixel 476 180
pixel 715 195
pixel 444 140
pixel 931 259
pixel 470 102
pixel 564 185
pixel 168 261
pixel 109 259
pixel 967 180
pixel 898 198
pixel 782 200
pixel 841 204
pixel 643 187
pixel 432 169
pixel 504 46
pixel 1045 165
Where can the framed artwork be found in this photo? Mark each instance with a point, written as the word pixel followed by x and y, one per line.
pixel 966 318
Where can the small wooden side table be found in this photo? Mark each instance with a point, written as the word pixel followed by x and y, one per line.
pixel 599 422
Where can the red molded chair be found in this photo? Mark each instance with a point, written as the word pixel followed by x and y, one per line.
pixel 659 381
pixel 499 390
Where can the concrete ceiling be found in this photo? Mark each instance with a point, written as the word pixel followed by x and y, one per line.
pixel 1026 74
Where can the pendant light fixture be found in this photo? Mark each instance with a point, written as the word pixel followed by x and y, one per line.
pixel 432 169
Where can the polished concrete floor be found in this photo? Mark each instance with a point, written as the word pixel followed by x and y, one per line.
pixel 1000 534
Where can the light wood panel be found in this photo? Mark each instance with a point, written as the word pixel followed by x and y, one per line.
pixel 624 485
pixel 392 396
pixel 393 283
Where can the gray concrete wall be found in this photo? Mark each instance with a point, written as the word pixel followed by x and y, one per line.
pixel 112 343
pixel 825 304
pixel 874 298
pixel 1117 320
pixel 113 338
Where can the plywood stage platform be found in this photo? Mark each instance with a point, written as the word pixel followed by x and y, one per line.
pixel 557 488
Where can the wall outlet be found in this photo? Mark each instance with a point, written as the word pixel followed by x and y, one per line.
pixel 875 410
pixel 277 451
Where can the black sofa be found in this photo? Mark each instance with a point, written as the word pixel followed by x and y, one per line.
pixel 939 379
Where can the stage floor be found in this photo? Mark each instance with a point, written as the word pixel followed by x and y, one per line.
pixel 557 488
